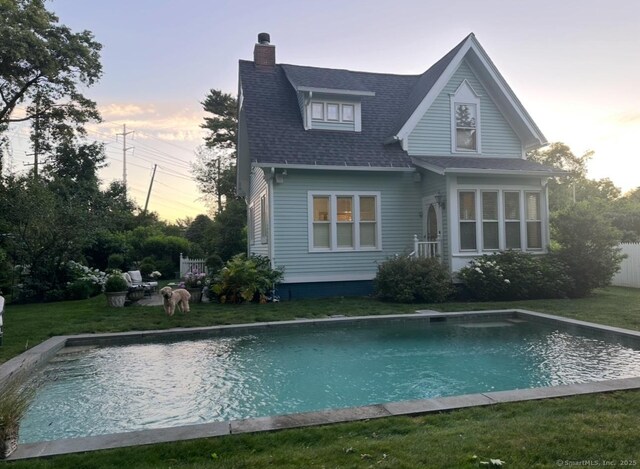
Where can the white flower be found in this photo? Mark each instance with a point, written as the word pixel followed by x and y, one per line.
pixel 506 280
pixel 477 269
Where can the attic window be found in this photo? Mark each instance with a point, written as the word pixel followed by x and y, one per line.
pixel 466 127
pixel 317 111
pixel 465 120
pixel 333 115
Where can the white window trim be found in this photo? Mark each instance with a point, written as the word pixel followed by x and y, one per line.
pixel 264 218
pixel 465 94
pixel 455 222
pixel 333 220
pixel 337 105
pixel 356 122
pixel 353 112
pixel 252 224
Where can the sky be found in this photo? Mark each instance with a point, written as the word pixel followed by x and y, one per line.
pixel 573 64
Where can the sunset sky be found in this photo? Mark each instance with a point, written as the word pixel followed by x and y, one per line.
pixel 575 65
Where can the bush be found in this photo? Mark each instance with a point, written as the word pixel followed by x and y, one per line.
pixel 80 290
pixel 409 280
pixel 115 283
pixel 513 275
pixel 243 279
pixel 588 246
pixel 115 261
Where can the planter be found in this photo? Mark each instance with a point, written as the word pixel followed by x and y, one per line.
pixel 137 294
pixel 196 294
pixel 116 299
pixel 8 444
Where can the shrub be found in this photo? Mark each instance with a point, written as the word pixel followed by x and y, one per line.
pixel 409 280
pixel 243 279
pixel 81 289
pixel 115 261
pixel 513 275
pixel 588 246
pixel 115 282
pixel 146 267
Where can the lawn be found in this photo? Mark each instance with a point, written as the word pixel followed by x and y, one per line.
pixel 600 429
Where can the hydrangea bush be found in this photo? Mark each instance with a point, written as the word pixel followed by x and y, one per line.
pixel 513 275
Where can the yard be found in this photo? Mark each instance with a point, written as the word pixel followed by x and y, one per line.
pixel 585 430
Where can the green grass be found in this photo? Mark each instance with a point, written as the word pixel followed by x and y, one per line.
pixel 601 427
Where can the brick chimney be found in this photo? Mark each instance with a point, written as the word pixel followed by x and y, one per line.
pixel 264 53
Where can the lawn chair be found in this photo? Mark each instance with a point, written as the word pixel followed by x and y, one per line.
pixel 1 313
pixel 136 280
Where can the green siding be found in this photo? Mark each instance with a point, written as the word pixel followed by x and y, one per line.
pixel 432 134
pixel 258 187
pixel 319 125
pixel 400 208
pixel 500 181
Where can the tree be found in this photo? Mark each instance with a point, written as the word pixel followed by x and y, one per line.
pixel 574 186
pixel 214 170
pixel 42 64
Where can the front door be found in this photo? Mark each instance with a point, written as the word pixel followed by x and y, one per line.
pixel 431 217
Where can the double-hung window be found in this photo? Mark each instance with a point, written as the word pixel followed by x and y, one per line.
pixel 491 220
pixel 344 221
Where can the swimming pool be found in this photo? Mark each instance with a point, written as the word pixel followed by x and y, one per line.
pixel 157 380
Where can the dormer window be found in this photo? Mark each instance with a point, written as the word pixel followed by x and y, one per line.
pixel 465 120
pixel 331 114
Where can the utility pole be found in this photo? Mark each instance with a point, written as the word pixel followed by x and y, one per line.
pixel 146 204
pixel 36 139
pixel 124 155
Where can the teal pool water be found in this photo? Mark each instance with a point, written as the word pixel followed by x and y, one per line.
pixel 272 371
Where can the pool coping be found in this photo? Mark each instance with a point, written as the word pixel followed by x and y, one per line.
pixel 40 354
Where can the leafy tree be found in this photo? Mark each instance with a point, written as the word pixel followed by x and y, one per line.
pixel 221 121
pixel 43 63
pixel 197 230
pixel 227 236
pixel 588 246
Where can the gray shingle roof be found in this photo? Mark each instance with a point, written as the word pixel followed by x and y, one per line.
pixel 312 77
pixel 275 127
pixel 452 164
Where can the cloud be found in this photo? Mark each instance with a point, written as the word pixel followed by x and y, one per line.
pixel 122 111
pixel 628 117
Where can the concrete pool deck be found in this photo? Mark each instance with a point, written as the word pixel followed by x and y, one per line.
pixel 39 355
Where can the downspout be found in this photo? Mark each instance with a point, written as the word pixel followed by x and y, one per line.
pixel 545 184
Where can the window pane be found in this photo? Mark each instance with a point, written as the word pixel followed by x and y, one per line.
pixel 368 235
pixel 465 139
pixel 534 235
pixel 513 235
pixel 466 116
pixel 321 236
pixel 490 235
pixel 345 211
pixel 467 205
pixel 367 209
pixel 321 209
pixel 468 235
pixel 347 112
pixel 490 205
pixel 512 205
pixel 317 111
pixel 333 112
pixel 533 206
pixel 345 235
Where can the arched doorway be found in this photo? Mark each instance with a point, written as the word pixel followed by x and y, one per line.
pixel 432 232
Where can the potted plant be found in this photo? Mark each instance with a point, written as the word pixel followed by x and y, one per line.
pixel 16 397
pixel 194 283
pixel 116 289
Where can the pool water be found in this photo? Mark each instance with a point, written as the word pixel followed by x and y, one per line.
pixel 272 371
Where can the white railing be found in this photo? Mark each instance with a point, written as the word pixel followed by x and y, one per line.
pixel 629 275
pixel 192 265
pixel 425 248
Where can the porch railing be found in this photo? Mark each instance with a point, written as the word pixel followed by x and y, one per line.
pixel 426 248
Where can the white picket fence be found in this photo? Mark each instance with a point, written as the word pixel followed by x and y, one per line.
pixel 192 265
pixel 629 275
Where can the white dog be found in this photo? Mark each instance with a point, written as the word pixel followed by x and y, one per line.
pixel 173 298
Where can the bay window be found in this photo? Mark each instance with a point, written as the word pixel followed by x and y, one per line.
pixel 344 221
pixel 492 220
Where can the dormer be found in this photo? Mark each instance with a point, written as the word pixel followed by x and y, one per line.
pixel 328 99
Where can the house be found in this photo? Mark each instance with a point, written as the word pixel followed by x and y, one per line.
pixel 342 169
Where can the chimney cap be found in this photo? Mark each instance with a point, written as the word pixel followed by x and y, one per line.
pixel 264 38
